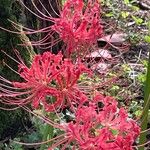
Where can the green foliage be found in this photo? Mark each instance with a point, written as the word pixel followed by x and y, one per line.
pixel 137 20
pixel 114 89
pixel 141 78
pixel 128 18
pixel 126 1
pixel 147 38
pixel 125 14
pixel 33 137
pixel 11 146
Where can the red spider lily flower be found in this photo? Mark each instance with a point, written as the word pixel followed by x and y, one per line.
pixel 79 24
pixel 102 127
pixel 50 80
pixel 66 84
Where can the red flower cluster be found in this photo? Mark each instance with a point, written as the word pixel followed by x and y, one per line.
pixel 79 24
pixel 49 80
pixel 102 126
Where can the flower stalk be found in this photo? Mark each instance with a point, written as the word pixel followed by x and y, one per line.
pixel 47 133
pixel 145 107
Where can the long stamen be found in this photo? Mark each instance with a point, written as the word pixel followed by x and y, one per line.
pixel 12 69
pixel 29 31
pixel 145 130
pixel 142 145
pixel 50 34
pixel 48 43
pixel 53 8
pixel 40 143
pixel 45 8
pixel 9 109
pixel 11 57
pixel 46 120
pixel 39 10
pixel 51 45
pixel 9 87
pixel 9 93
pixel 14 102
pixel 58 143
pixel 47 18
pixel 15 32
pixel 64 147
pixel 18 25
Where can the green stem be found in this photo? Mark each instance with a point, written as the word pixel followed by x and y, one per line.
pixel 145 108
pixel 47 134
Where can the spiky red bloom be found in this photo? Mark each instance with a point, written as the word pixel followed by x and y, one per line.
pixel 50 80
pixel 104 127
pixel 79 24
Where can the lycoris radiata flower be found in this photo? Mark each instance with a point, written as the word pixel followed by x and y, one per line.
pixel 99 124
pixel 50 80
pixel 77 24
